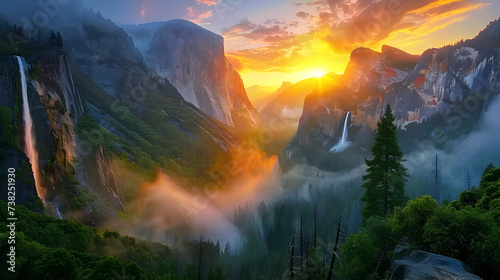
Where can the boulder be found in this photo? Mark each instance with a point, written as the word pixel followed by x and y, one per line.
pixel 417 264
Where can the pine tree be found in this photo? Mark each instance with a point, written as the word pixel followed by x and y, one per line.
pixel 487 169
pixel 386 176
pixel 436 174
pixel 53 39
pixel 59 40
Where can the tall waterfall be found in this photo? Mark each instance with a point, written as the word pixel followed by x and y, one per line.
pixel 345 131
pixel 343 144
pixel 29 139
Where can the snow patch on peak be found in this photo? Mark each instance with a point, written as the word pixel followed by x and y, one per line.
pixel 465 53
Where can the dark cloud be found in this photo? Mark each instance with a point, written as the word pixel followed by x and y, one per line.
pixel 303 15
pixel 249 30
pixel 239 28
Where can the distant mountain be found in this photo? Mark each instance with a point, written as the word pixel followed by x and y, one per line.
pixel 256 92
pixel 287 105
pixel 432 87
pixel 104 121
pixel 366 77
pixel 262 96
pixel 192 59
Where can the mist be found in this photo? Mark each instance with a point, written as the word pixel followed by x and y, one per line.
pixel 169 207
pixel 473 152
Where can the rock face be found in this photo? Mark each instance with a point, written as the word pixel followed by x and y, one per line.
pixel 57 107
pixel 359 90
pixel 440 81
pixel 55 104
pixel 193 60
pixel 424 265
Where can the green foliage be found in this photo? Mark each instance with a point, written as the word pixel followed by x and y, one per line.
pixel 467 229
pixel 216 274
pixel 380 231
pixel 313 266
pixel 34 72
pixel 466 234
pixel 111 234
pixel 358 256
pixel 153 139
pixel 14 42
pixel 77 195
pixel 89 130
pixel 469 197
pixel 410 220
pixel 56 40
pixel 386 176
pixel 490 185
pixel 191 272
pixel 7 129
pixel 56 264
pixel 487 169
pixel 49 248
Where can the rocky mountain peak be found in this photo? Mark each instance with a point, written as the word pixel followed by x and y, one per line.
pixel 192 59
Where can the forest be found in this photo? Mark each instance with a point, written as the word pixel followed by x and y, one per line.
pixel 292 238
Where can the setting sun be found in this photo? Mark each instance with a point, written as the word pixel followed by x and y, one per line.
pixel 317 73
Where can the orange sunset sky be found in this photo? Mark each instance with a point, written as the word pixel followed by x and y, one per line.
pixel 271 41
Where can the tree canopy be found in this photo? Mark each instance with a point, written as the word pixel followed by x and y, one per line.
pixel 386 176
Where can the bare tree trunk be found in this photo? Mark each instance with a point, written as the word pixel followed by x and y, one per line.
pixel 292 249
pixel 199 263
pixel 332 264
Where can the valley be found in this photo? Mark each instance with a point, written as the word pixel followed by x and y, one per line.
pixel 141 151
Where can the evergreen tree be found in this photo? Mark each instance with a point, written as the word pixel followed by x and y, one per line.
pixel 386 176
pixel 487 169
pixel 312 268
pixel 59 40
pixel 52 39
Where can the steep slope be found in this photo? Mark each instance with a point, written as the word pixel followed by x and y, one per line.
pixel 105 122
pixel 437 96
pixel 193 60
pixel 261 96
pixel 287 106
pixel 368 74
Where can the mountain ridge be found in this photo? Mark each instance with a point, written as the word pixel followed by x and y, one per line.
pixel 441 80
pixel 193 60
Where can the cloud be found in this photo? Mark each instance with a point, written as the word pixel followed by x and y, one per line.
pixel 237 29
pixel 467 152
pixel 198 17
pixel 367 23
pixel 207 2
pixel 335 28
pixel 303 15
pixel 249 30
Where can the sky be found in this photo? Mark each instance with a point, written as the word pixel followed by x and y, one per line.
pixel 271 41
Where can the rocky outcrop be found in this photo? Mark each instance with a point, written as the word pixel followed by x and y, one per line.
pixel 440 81
pixel 407 264
pixel 193 60
pixel 359 90
pixel 25 191
pixel 54 105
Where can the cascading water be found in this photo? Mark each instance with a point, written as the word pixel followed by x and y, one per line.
pixel 343 144
pixel 29 139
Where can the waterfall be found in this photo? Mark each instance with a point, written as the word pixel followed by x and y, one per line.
pixel 345 131
pixel 29 139
pixel 343 144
